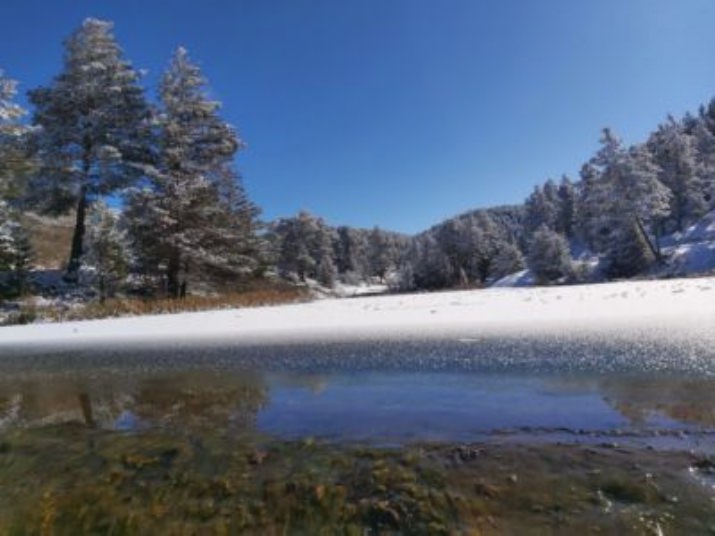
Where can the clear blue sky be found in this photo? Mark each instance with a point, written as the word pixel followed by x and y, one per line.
pixel 400 113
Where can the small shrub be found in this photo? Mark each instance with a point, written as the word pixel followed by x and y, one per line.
pixel 26 315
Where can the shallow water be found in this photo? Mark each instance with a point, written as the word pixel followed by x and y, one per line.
pixel 182 441
pixel 381 406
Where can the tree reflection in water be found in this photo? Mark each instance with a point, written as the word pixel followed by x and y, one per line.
pixel 182 401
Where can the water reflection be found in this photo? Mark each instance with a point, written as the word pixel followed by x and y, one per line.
pixel 364 406
pixel 688 400
pixel 173 400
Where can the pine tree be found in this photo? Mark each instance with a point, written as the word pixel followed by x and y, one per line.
pixel 621 189
pixel 549 256
pixel 106 261
pixel 629 254
pixel 94 121
pixel 431 267
pixel 15 163
pixel 15 251
pixel 10 111
pixel 326 272
pixel 674 151
pixel 567 208
pixel 383 253
pixel 593 223
pixel 194 219
pixel 351 254
pixel 507 260
pixel 484 239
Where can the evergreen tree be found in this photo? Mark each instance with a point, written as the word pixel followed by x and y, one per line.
pixel 351 253
pixel 431 267
pixel 326 272
pixel 549 256
pixel 630 253
pixel 93 120
pixel 592 222
pixel 106 261
pixel 484 239
pixel 15 163
pixel 507 260
pixel 15 251
pixel 674 151
pixel 194 219
pixel 567 208
pixel 305 242
pixel 383 252
pixel 638 196
pixel 620 190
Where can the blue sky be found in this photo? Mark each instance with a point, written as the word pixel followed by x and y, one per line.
pixel 400 113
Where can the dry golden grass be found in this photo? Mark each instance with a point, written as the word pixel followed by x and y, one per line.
pixel 116 307
pixel 50 239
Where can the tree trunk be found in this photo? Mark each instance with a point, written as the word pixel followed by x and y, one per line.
pixel 653 248
pixel 75 260
pixel 173 287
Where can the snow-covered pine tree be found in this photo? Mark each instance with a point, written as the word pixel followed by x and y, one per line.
pixel 549 256
pixel 620 189
pixel 10 111
pixel 567 208
pixel 94 123
pixel 704 141
pixel 675 153
pixel 638 197
pixel 351 254
pixel 15 252
pixel 592 223
pixel 629 253
pixel 431 268
pixel 383 253
pixel 105 264
pixel 304 242
pixel 507 260
pixel 14 161
pixel 326 272
pixel 484 239
pixel 194 219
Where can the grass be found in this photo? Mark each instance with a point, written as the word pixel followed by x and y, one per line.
pixel 258 295
pixel 50 239
pixel 151 306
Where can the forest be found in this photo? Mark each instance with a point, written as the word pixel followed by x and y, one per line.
pixel 159 208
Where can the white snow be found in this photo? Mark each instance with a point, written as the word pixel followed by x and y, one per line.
pixel 675 309
pixel 345 291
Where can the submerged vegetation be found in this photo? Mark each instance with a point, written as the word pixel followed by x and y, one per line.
pixel 182 452
pixel 69 479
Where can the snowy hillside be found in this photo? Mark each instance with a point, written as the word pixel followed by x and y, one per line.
pixel 693 250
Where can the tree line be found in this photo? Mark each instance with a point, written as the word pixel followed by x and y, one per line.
pixel 182 215
pixel 626 199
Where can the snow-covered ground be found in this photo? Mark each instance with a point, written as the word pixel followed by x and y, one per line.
pixel 674 310
pixel 693 250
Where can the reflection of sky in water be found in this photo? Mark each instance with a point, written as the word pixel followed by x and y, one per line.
pixel 384 405
pixel 434 406
pixel 126 421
